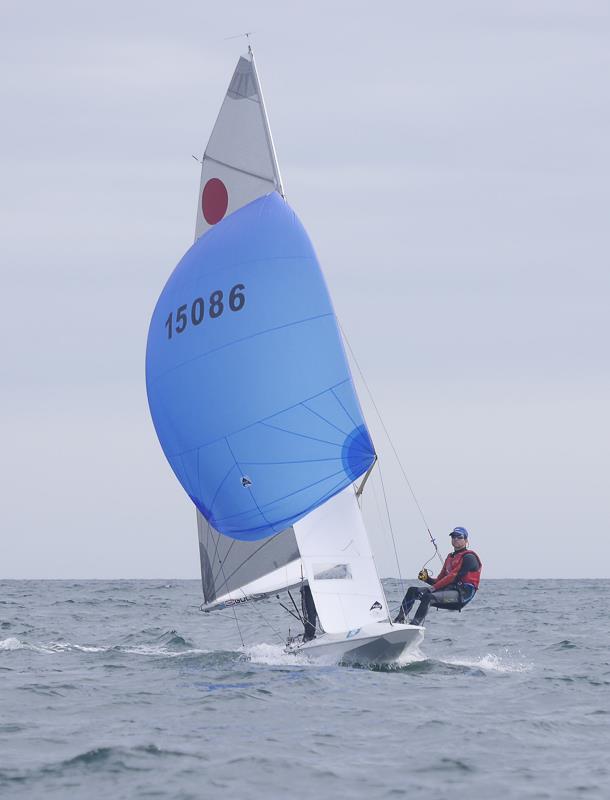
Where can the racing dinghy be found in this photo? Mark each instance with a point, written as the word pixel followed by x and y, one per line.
pixel 254 404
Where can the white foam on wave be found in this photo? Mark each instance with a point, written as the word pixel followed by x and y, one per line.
pixel 12 643
pixel 157 651
pixel 274 655
pixel 491 663
pixel 67 647
pixel 410 656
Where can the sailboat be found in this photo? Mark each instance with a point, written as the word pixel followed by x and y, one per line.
pixel 254 404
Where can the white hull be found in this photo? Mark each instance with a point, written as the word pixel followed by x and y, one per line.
pixel 379 643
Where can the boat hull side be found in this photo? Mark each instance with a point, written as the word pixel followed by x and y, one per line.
pixel 381 644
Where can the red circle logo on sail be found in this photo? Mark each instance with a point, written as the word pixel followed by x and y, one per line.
pixel 214 201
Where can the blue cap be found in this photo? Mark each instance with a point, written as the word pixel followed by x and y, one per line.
pixel 461 533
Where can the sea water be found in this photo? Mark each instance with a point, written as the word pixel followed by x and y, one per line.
pixel 124 689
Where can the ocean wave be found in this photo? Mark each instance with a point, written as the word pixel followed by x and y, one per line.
pixel 102 759
pixel 12 643
pixel 490 663
pixel 169 646
pixel 158 651
pixel 564 644
pixel 67 647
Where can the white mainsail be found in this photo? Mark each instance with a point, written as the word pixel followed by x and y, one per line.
pixel 239 163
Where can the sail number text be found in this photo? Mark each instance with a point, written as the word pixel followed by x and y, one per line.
pixel 178 321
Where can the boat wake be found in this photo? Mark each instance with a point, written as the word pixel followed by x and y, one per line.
pixel 159 650
pixel 274 655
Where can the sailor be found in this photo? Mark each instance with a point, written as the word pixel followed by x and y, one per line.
pixel 310 615
pixel 455 586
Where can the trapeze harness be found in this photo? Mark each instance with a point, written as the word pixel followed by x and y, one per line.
pixel 466 583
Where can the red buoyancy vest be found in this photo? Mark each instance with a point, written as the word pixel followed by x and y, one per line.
pixel 451 568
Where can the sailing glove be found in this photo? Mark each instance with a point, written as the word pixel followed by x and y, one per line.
pixel 423 575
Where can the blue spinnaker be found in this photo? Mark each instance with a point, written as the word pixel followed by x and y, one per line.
pixel 248 384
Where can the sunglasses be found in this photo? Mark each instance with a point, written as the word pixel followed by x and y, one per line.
pixel 457 536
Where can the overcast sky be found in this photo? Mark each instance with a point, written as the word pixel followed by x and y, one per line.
pixel 451 163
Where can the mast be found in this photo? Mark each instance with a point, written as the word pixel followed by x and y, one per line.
pixel 276 166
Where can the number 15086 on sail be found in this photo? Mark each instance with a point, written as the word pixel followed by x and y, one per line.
pixel 196 313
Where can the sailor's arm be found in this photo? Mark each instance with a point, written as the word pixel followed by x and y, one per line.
pixel 445 580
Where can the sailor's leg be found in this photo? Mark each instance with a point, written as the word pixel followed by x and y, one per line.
pixel 444 598
pixel 407 603
pixel 310 615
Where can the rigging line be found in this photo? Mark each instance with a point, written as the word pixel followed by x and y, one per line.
pixel 247 558
pixel 222 558
pixel 387 508
pixel 243 644
pixel 266 621
pixel 381 523
pixel 294 604
pixel 292 614
pixel 216 543
pixel 257 610
pixel 402 469
pixel 267 541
